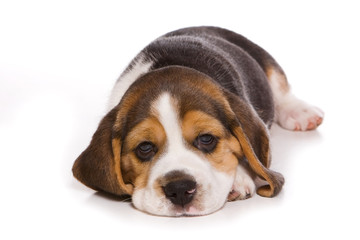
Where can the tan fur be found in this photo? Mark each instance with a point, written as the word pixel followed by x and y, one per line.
pixel 196 123
pixel 277 78
pixel 224 158
pixel 116 144
pixel 135 172
pixel 149 130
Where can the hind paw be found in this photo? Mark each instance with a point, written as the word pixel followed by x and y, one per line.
pixel 294 114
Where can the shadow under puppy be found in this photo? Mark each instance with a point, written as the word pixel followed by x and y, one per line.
pixel 187 127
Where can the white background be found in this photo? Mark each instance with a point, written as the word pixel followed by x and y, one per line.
pixel 59 61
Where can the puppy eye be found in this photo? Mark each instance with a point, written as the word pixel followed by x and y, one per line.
pixel 206 143
pixel 206 139
pixel 145 151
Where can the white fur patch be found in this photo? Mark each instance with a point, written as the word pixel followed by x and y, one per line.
pixel 139 68
pixel 274 80
pixel 213 186
pixel 168 117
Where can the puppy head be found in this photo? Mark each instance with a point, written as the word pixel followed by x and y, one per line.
pixel 174 142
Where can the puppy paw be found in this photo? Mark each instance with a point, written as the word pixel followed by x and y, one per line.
pixel 243 187
pixel 294 114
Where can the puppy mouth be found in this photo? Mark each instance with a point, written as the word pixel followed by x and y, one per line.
pixel 187 211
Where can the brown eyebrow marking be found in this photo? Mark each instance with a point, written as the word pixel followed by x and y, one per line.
pixel 149 130
pixel 225 156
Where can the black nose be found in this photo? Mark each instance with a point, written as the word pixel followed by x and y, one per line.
pixel 180 192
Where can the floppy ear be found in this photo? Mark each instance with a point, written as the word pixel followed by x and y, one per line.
pixel 253 137
pixel 98 167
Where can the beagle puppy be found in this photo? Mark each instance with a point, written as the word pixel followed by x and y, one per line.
pixel 187 127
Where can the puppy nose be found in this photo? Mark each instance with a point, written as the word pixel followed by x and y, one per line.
pixel 180 192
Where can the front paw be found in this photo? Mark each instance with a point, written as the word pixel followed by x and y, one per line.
pixel 243 187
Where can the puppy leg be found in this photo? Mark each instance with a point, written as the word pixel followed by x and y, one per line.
pixel 290 112
pixel 243 187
